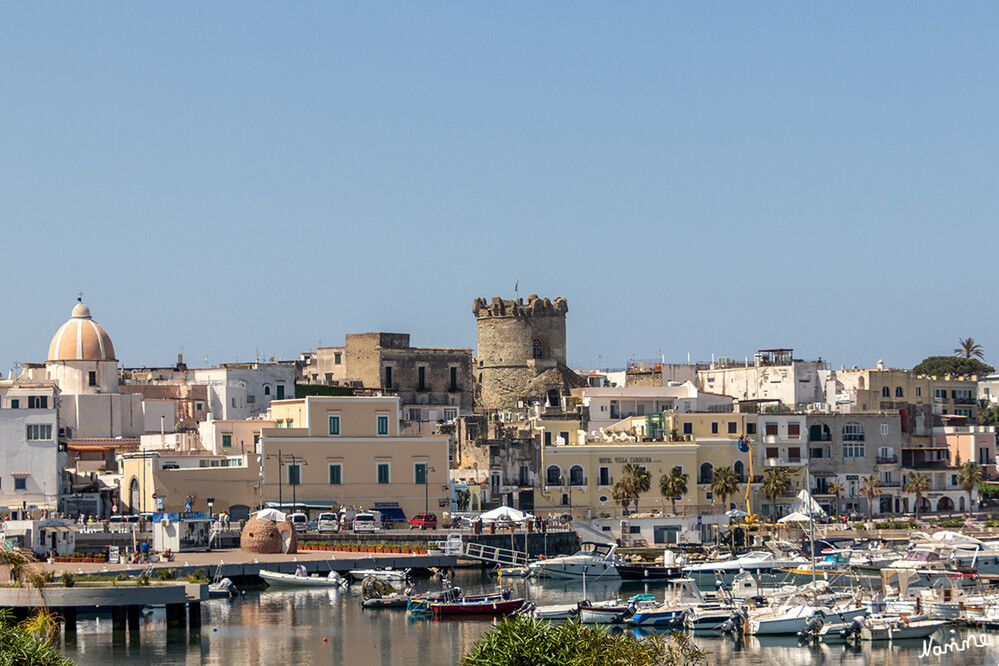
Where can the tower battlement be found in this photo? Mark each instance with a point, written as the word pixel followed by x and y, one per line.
pixel 533 307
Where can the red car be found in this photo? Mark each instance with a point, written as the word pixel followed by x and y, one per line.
pixel 423 521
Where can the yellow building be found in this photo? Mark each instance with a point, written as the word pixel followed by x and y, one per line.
pixel 579 479
pixel 348 451
pixel 163 481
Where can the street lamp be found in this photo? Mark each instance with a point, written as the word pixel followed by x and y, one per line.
pixel 426 486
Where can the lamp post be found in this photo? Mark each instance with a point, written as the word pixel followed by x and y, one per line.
pixel 426 486
pixel 280 461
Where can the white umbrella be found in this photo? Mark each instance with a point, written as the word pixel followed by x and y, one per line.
pixel 794 517
pixel 505 513
pixel 736 513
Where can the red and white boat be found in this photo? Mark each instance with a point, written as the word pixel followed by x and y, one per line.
pixel 477 605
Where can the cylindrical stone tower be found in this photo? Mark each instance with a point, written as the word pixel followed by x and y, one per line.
pixel 517 341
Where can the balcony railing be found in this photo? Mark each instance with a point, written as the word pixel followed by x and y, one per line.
pixel 964 401
pixel 886 460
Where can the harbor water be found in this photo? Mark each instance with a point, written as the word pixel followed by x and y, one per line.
pixel 282 627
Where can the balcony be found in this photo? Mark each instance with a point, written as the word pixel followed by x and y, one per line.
pixel 821 438
pixel 965 401
pixel 782 462
pixel 886 460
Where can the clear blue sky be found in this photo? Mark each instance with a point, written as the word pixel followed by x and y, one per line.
pixel 702 177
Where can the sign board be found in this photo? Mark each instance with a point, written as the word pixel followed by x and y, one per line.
pixel 159 503
pixel 187 507
pixel 113 555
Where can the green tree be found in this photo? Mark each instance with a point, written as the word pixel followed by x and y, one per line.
pixel 673 485
pixel 937 366
pixel 725 483
pixel 639 480
pixel 620 492
pixel 968 348
pixel 836 488
pixel 871 489
pixel 917 485
pixel 968 477
pixel 776 482
pixel 519 641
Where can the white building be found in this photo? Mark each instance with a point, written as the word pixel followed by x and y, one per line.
pixel 609 405
pixel 30 461
pixel 238 391
pixel 773 375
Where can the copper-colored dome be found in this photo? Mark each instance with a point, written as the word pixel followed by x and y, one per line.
pixel 81 339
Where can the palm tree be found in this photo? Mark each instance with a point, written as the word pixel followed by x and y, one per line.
pixel 724 484
pixel 969 349
pixel 836 488
pixel 621 492
pixel 673 485
pixel 775 483
pixel 637 479
pixel 917 485
pixel 871 489
pixel 968 477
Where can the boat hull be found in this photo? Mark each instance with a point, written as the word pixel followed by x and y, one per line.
pixel 591 571
pixel 487 608
pixel 637 573
pixel 277 579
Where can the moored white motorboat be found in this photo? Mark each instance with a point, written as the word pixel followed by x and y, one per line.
pixel 302 579
pixel 596 561
pixel 613 611
pixel 887 628
pixel 756 562
pixel 552 611
pixel 388 575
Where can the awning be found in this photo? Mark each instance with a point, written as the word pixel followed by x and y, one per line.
pixel 311 505
pixel 392 515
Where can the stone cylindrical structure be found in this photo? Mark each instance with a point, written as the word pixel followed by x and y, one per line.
pixel 517 341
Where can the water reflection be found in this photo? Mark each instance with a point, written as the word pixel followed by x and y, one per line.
pixel 280 627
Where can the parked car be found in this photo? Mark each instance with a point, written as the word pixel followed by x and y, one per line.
pixel 327 522
pixel 312 525
pixel 367 522
pixel 299 520
pixel 423 521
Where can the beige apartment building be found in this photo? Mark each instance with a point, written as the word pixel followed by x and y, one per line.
pixel 347 450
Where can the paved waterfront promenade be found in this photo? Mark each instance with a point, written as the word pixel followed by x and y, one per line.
pixel 240 564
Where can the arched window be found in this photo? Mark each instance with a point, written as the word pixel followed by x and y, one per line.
pixel 133 496
pixel 707 471
pixel 819 432
pixel 267 389
pixel 538 348
pixel 885 393
pixel 576 476
pixel 738 469
pixel 898 392
pixel 553 475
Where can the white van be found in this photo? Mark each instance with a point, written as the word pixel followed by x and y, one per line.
pixel 327 522
pixel 367 522
pixel 299 521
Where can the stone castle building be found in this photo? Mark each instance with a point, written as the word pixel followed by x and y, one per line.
pixel 521 352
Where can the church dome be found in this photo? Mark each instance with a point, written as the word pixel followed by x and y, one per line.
pixel 81 339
